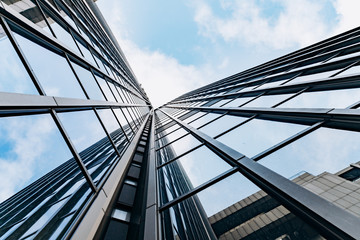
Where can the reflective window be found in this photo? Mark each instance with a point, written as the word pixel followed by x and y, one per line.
pixel 322 150
pixel 175 135
pixel 325 99
pixel 312 77
pixel 103 84
pixel 31 146
pixel 13 76
pixel 29 10
pixel 203 120
pixel 267 100
pixel 62 34
pixel 272 84
pixel 120 116
pixel 182 145
pixel 57 78
pixel 113 128
pixel 88 82
pixel 238 102
pixel 257 135
pixel 85 52
pixel 236 209
pixel 220 125
pixel 200 166
pixel 352 70
pixel 89 139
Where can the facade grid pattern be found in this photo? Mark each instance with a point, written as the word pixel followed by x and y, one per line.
pixel 84 155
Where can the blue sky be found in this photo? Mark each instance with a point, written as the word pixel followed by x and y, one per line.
pixel 181 45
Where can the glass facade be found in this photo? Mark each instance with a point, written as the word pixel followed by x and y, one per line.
pixel 62 134
pixel 237 158
pixel 266 153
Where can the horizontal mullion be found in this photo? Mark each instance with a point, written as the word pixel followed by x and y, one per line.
pixel 15 101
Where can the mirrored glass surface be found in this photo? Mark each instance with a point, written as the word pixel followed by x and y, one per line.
pixel 31 146
pixel 90 140
pixel 62 34
pixel 29 10
pixel 222 124
pixel 57 78
pixel 325 99
pixel 113 128
pixel 120 116
pixel 312 77
pixel 353 70
pixel 234 208
pixel 180 146
pixel 238 102
pixel 105 88
pixel 203 120
pixel 322 150
pixel 200 166
pixel 13 76
pixel 88 82
pixel 268 100
pixel 175 135
pixel 257 135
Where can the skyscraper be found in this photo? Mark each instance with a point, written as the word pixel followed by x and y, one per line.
pixel 85 156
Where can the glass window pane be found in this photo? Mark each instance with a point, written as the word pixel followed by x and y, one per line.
pixel 222 124
pixel 13 76
pixel 322 150
pixel 105 88
pixel 179 147
pixel 56 78
pixel 326 99
pixel 312 77
pixel 113 128
pixel 120 116
pixel 86 53
pixel 90 140
pixel 203 120
pixel 257 135
pixel 238 102
pixel 31 146
pixel 88 82
pixel 267 101
pixel 175 135
pixel 200 166
pixel 62 34
pixel 353 70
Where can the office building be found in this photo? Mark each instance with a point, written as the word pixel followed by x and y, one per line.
pixel 85 156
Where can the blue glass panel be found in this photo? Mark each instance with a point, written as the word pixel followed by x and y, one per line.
pixel 88 82
pixel 30 146
pixel 57 78
pixel 325 99
pixel 322 150
pixel 257 135
pixel 13 76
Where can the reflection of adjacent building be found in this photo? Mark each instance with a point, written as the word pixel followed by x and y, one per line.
pixel 261 217
pixel 47 207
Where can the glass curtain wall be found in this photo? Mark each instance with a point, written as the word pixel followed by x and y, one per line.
pixel 250 135
pixel 69 108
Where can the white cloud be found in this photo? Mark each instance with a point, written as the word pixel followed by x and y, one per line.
pixel 162 76
pixel 27 138
pixel 348 15
pixel 299 23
